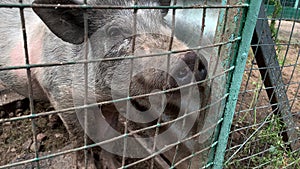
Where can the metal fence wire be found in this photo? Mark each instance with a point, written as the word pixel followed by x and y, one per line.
pixel 148 84
pixel 265 130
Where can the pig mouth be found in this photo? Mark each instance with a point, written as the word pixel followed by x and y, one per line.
pixel 139 106
pixel 139 86
pixel 170 113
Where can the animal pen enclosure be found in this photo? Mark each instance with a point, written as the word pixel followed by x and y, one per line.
pixel 233 101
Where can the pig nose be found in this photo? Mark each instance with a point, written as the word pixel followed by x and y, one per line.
pixel 185 72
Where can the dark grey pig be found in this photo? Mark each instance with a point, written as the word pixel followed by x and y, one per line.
pixel 60 35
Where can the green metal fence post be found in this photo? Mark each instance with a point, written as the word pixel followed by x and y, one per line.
pixel 296 4
pixel 236 80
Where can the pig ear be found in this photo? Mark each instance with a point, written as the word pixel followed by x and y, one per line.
pixel 165 3
pixel 66 23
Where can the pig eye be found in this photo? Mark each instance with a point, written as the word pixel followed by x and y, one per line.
pixel 114 31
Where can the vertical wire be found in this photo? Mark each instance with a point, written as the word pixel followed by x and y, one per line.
pixel 263 79
pixel 254 106
pixel 196 68
pixel 220 47
pixel 166 80
pixel 186 112
pixel 281 67
pixel 203 23
pixel 298 88
pixel 130 78
pixel 29 78
pixel 288 46
pixel 86 83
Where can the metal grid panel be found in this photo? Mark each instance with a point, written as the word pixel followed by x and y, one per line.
pixel 265 131
pixel 194 150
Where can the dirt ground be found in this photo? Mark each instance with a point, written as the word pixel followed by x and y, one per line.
pixel 16 138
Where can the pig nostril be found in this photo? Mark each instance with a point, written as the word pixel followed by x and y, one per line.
pixel 189 58
pixel 193 69
pixel 202 73
pixel 183 72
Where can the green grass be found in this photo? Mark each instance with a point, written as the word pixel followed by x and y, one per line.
pixel 266 149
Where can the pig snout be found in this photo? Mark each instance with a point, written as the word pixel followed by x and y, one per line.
pixel 188 68
pixel 192 63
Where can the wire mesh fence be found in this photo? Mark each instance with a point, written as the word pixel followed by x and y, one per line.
pixel 265 131
pixel 287 9
pixel 141 84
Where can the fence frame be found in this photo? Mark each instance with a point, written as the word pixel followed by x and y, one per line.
pixel 236 80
